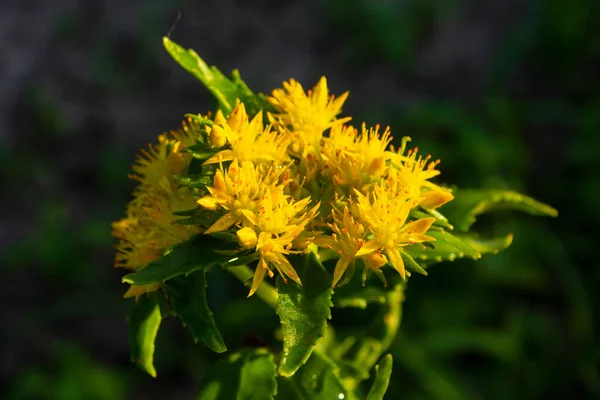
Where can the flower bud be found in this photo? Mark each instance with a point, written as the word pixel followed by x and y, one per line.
pixel 247 237
pixel 217 136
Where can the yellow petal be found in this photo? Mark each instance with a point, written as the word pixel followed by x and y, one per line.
pixel 435 198
pixel 325 242
pixel 368 248
pixel 418 227
pixel 219 181
pixel 238 117
pixel 218 136
pixel 340 268
pixel 259 275
pixel 375 261
pixel 222 156
pixel 208 202
pixel 220 118
pixel 250 216
pixel 223 223
pixel 284 265
pixel 396 261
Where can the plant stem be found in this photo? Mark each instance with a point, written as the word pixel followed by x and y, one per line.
pixel 265 291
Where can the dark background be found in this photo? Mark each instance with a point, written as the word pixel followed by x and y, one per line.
pixel 506 93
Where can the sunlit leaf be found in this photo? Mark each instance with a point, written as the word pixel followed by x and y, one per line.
pixel 188 302
pixel 469 203
pixel 185 258
pixel 303 311
pixel 224 89
pixel 446 247
pixel 144 322
pixel 383 372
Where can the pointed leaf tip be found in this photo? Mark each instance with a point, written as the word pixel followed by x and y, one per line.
pixel 144 323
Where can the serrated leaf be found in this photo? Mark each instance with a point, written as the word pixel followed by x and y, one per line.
pixel 383 372
pixel 303 311
pixel 192 255
pixel 259 377
pixel 144 322
pixel 188 302
pixel 469 203
pixel 224 89
pixel 246 375
pixel 447 247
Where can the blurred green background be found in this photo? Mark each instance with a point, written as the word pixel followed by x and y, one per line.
pixel 505 92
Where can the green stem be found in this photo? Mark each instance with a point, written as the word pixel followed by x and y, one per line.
pixel 265 291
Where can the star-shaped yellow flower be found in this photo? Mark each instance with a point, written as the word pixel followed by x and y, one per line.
pixel 384 211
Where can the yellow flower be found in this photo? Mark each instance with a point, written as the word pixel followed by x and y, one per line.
pixel 166 158
pixel 354 159
pixel 238 190
pixel 279 222
pixel 372 148
pixel 249 141
pixel 347 239
pixel 384 211
pixel 150 229
pixel 307 114
pixel 413 174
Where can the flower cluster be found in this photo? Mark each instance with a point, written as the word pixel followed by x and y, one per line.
pixel 302 180
pixel 148 229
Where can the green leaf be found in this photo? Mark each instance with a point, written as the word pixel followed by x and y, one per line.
pixel 469 203
pixel 447 247
pixel 193 255
pixel 144 322
pixel 224 89
pixel 317 379
pixel 487 245
pixel 410 264
pixel 259 377
pixel 243 375
pixel 188 302
pixel 201 151
pixel 370 345
pixel 383 372
pixel 303 311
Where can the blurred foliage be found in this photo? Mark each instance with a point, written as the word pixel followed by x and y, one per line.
pixel 517 325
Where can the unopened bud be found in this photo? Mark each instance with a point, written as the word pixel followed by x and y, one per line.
pixel 217 136
pixel 247 237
